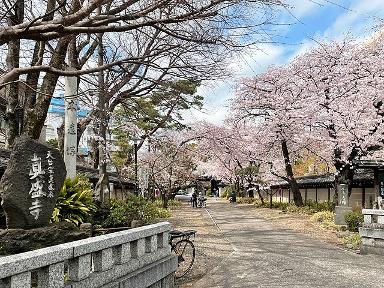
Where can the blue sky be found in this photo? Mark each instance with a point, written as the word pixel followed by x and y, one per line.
pixel 308 20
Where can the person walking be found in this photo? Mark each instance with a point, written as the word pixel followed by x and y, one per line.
pixel 201 200
pixel 194 200
pixel 232 199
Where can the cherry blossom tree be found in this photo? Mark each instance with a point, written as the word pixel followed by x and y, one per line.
pixel 171 162
pixel 343 81
pixel 220 150
pixel 275 103
pixel 327 101
pixel 60 36
pixel 226 152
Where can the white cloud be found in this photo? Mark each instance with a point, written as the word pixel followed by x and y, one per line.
pixel 218 93
pixel 256 60
pixel 306 45
pixel 209 114
pixel 359 19
pixel 301 9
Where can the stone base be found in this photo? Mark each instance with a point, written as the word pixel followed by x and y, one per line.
pixel 364 250
pixel 340 212
pixel 372 241
pixel 14 241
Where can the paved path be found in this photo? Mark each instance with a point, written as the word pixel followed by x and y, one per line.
pixel 266 256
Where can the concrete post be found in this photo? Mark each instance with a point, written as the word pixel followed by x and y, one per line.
pixel 70 126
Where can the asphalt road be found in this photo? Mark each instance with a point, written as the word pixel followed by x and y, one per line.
pixel 265 256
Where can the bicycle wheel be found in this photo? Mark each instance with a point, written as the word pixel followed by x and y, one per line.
pixel 185 251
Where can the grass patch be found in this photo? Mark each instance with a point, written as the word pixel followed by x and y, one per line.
pixel 309 208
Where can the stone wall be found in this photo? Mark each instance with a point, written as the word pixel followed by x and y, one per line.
pixel 372 233
pixel 139 257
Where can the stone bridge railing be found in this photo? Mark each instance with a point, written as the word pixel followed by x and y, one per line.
pixel 372 232
pixel 139 257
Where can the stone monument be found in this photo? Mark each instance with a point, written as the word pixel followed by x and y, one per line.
pixel 31 183
pixel 343 207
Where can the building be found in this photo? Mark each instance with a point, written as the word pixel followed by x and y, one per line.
pixel 321 188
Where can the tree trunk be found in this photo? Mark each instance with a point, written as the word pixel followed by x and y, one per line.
pixel 169 190
pixel 260 196
pixel 95 154
pixel 37 59
pixel 164 199
pixel 102 186
pixel 292 181
pixel 12 117
pixel 344 173
pixel 60 138
pixel 36 116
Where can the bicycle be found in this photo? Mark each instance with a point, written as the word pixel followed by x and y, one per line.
pixel 201 202
pixel 184 249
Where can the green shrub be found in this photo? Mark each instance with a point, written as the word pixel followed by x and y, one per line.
pixel 352 241
pixel 310 208
pixel 319 206
pixel 102 212
pixel 245 200
pixel 171 203
pixel 276 205
pixel 257 202
pixel 122 212
pixel 118 215
pixel 74 203
pixel 323 216
pixel 163 213
pixel 326 219
pixel 53 142
pixel 354 220
pixel 228 191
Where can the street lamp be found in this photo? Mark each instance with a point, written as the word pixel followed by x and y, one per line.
pixel 136 141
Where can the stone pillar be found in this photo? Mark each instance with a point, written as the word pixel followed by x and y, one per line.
pixel 343 207
pixel 70 126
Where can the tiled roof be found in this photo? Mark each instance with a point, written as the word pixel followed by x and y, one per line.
pixel 362 176
pixel 366 163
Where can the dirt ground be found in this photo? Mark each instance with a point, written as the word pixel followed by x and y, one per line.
pixel 299 223
pixel 212 248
